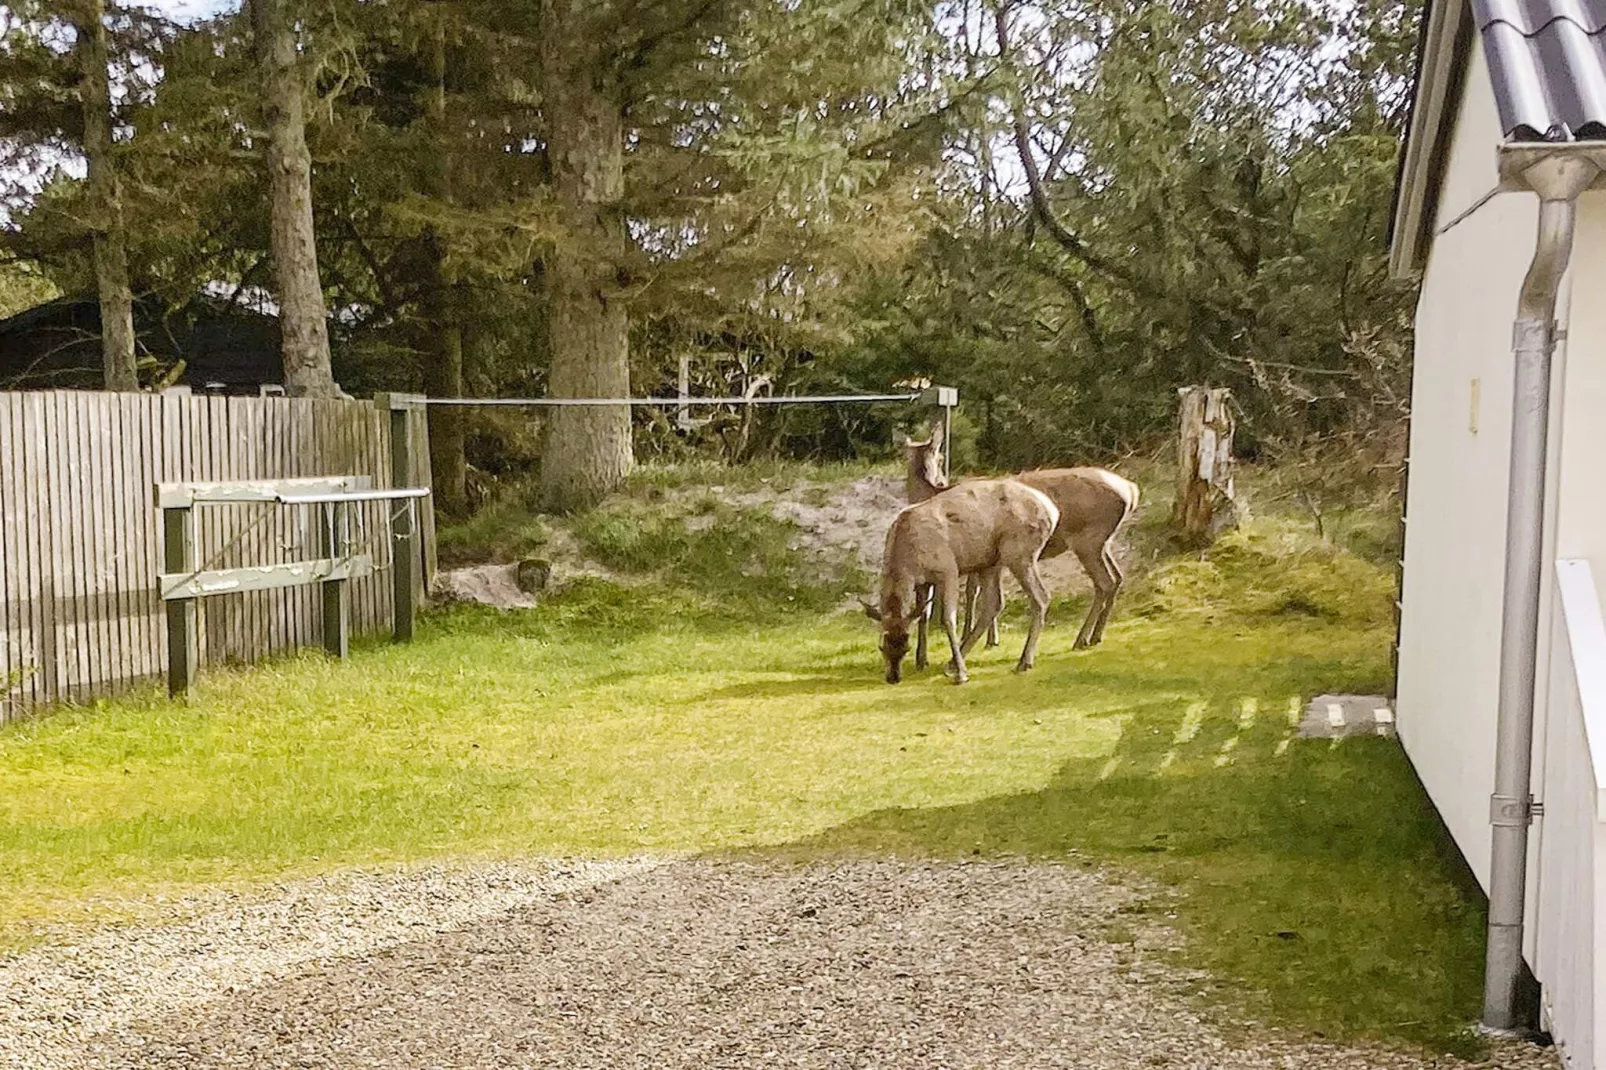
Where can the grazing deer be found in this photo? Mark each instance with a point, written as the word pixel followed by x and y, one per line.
pixel 980 526
pixel 1093 503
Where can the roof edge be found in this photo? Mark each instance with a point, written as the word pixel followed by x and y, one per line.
pixel 1446 43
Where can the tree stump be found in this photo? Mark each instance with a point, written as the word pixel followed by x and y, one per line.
pixel 1205 505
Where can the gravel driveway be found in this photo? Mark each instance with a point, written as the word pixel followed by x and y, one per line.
pixel 645 964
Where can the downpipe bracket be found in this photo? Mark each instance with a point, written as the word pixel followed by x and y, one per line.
pixel 1510 811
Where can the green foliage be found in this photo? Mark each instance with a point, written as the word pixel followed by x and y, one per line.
pixel 22 288
pixel 819 197
pixel 1252 168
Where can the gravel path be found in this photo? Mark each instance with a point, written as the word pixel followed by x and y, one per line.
pixel 643 964
pixel 54 999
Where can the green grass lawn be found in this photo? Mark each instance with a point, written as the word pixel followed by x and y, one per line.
pixel 1310 880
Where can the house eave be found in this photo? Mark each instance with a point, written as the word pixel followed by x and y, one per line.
pixel 1445 47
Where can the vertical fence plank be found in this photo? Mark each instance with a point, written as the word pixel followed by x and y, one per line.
pixel 40 498
pixel 12 663
pixel 68 532
pixel 246 420
pixel 116 571
pixel 378 541
pixel 364 516
pixel 252 639
pixel 183 649
pixel 81 524
pixel 98 471
pixel 237 523
pixel 204 434
pixel 193 467
pixel 308 463
pixel 276 443
pixel 23 493
pixel 171 463
pixel 20 495
pixel 422 477
pixel 144 438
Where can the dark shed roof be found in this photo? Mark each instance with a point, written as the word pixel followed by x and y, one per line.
pixel 1547 60
pixel 57 344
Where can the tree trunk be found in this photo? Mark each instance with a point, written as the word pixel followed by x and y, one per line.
pixel 587 450
pixel 443 374
pixel 106 206
pixel 1205 504
pixel 302 316
pixel 443 378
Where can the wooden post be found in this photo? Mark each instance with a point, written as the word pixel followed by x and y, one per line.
pixel 945 398
pixel 183 642
pixel 336 596
pixel 1205 504
pixel 403 530
pixel 683 419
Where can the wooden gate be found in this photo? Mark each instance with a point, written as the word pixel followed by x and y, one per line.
pixel 80 532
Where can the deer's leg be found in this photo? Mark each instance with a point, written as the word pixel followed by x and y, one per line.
pixel 923 596
pixel 987 583
pixel 948 594
pixel 998 606
pixel 1104 584
pixel 1109 601
pixel 1032 583
pixel 970 603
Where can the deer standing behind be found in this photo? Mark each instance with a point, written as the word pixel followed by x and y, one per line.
pixel 1093 503
pixel 982 525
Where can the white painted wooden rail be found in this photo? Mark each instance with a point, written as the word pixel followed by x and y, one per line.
pixel 1586 642
pixel 1570 840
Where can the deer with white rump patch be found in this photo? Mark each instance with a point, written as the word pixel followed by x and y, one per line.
pixel 1093 503
pixel 979 526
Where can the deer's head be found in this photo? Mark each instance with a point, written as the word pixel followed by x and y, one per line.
pixel 925 476
pixel 895 623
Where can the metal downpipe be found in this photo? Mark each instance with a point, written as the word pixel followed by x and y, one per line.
pixel 1558 181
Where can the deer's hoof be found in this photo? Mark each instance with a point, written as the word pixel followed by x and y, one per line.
pixel 1024 666
pixel 960 678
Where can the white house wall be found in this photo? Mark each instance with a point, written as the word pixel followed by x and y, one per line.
pixel 1581 510
pixel 1564 945
pixel 1455 524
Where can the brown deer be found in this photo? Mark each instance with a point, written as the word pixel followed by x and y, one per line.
pixel 980 526
pixel 1093 503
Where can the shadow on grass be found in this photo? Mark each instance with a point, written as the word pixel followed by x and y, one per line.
pixel 1313 882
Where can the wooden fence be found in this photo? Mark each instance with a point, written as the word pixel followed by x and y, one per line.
pixel 81 542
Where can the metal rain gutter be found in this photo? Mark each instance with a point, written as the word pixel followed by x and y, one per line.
pixel 1558 174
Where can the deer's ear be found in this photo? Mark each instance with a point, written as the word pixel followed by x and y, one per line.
pixel 870 611
pixel 936 434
